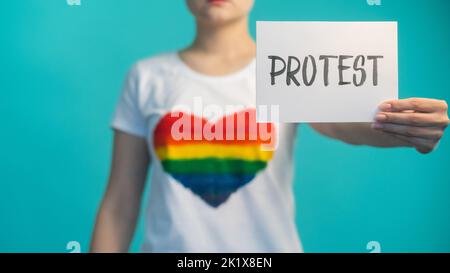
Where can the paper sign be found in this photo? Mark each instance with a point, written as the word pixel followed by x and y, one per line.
pixel 325 71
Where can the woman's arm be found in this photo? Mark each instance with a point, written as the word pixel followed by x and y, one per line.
pixel 415 122
pixel 119 210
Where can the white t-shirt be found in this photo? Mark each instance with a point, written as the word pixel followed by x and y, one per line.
pixel 214 188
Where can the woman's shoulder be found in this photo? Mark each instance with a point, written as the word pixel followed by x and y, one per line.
pixel 158 65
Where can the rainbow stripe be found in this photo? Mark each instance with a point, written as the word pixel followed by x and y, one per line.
pixel 213 160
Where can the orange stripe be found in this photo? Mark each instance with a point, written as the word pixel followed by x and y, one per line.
pixel 202 151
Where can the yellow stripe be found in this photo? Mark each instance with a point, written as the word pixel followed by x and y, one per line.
pixel 199 151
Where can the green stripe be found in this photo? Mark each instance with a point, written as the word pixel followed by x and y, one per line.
pixel 213 166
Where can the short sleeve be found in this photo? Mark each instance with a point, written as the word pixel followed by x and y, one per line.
pixel 128 116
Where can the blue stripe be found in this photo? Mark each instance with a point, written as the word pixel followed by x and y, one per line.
pixel 213 188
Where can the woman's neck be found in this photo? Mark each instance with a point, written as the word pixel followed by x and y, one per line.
pixel 220 50
pixel 226 41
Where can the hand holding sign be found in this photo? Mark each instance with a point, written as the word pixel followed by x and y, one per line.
pixel 343 72
pixel 420 122
pixel 325 71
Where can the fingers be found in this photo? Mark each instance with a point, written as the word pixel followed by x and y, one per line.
pixel 421 144
pixel 415 104
pixel 414 119
pixel 430 133
pixel 418 122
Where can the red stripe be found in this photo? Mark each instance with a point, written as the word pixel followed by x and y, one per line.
pixel 171 130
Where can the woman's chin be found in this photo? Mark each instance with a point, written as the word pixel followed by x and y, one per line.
pixel 218 19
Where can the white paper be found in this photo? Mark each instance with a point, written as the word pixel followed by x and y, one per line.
pixel 338 101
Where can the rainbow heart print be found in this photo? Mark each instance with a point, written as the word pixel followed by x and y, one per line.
pixel 213 159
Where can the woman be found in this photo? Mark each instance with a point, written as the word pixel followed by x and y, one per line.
pixel 221 194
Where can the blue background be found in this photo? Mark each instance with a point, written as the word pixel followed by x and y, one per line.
pixel 61 72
